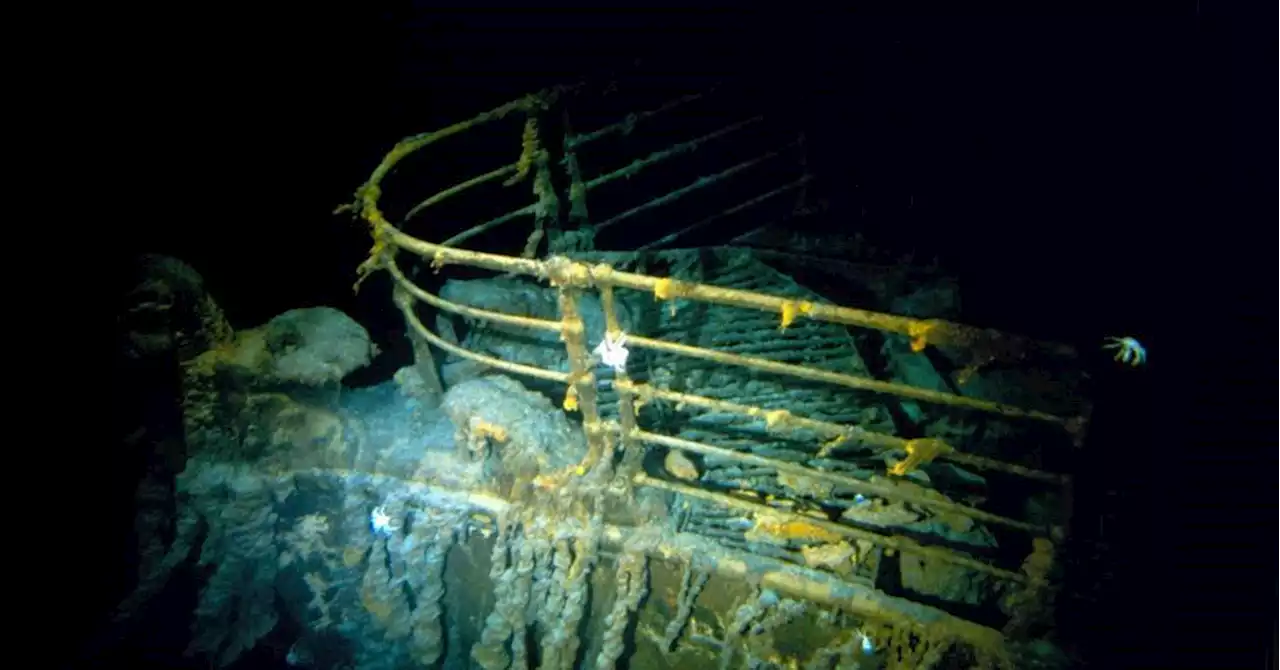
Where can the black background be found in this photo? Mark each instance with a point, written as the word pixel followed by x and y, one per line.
pixel 1086 172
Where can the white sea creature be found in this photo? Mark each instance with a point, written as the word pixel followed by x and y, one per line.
pixel 1128 350
pixel 867 644
pixel 612 351
pixel 381 522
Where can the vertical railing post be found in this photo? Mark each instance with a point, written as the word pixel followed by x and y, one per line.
pixel 535 158
pixel 632 451
pixel 547 216
pixel 582 379
pixel 579 235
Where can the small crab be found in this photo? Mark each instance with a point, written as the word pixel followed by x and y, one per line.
pixel 381 522
pixel 612 351
pixel 1128 350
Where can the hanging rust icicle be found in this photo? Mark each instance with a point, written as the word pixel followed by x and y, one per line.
pixel 631 586
pixel 427 583
pixel 746 613
pixel 560 644
pixel 690 587
pixel 491 653
pixel 518 602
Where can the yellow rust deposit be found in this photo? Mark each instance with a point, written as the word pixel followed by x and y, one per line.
pixel 919 451
pixel 793 308
pixel 776 529
pixel 570 403
pixel 919 331
pixel 528 150
pixel 550 482
pixel 482 429
pixel 669 289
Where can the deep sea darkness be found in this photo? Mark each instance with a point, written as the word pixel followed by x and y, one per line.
pixel 1083 173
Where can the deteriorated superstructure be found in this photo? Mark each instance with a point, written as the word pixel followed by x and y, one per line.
pixel 677 455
